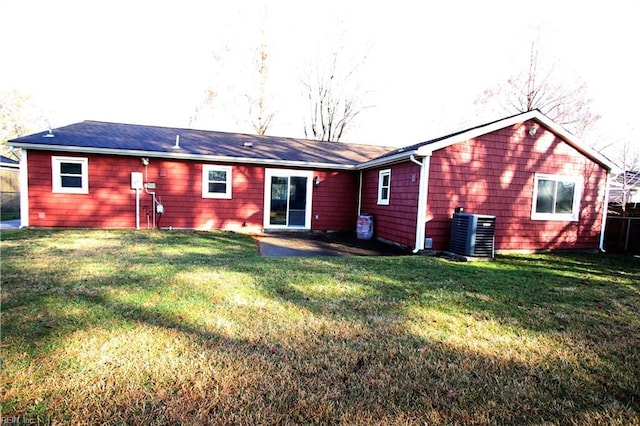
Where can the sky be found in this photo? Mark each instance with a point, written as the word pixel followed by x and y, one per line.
pixel 420 65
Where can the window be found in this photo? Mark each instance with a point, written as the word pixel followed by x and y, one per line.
pixel 384 187
pixel 70 175
pixel 556 197
pixel 216 181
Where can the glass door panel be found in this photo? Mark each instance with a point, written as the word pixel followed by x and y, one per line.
pixel 297 200
pixel 279 200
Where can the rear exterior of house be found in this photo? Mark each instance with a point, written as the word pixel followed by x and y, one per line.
pixel 484 176
pixel 111 175
pixel 393 205
pixel 180 187
pixel 546 191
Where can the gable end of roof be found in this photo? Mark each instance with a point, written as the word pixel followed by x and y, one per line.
pixel 429 147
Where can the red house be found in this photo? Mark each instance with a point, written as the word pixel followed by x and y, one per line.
pixel 545 190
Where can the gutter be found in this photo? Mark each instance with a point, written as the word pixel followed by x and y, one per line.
pixel 605 212
pixel 24 191
pixel 423 190
pixel 401 155
pixel 360 193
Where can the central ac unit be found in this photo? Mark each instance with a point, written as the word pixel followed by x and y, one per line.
pixel 473 235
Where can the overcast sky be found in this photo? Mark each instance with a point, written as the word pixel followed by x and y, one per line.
pixel 151 62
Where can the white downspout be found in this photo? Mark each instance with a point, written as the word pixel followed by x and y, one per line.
pixel 605 211
pixel 24 190
pixel 360 194
pixel 423 190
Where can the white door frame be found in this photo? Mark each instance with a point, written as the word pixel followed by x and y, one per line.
pixel 269 173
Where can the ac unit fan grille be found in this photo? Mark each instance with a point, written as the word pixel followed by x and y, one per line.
pixel 459 235
pixel 472 235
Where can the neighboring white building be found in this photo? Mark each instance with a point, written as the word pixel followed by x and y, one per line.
pixel 619 187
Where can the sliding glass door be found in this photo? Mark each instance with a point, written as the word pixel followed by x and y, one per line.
pixel 288 199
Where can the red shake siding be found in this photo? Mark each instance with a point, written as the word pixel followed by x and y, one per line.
pixel 111 201
pixel 335 201
pixel 494 174
pixel 106 205
pixel 179 189
pixel 397 221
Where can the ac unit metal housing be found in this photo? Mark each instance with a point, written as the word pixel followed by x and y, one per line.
pixel 473 235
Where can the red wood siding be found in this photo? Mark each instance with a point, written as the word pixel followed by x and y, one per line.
pixel 335 201
pixel 111 201
pixel 397 221
pixel 179 189
pixel 494 174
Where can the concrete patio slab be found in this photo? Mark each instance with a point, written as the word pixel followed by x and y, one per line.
pixel 323 244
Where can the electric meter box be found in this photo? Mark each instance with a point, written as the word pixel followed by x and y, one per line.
pixel 136 180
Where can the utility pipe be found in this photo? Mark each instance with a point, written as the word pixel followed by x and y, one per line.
pixel 153 195
pixel 422 200
pixel 24 190
pixel 605 210
pixel 137 209
pixel 360 194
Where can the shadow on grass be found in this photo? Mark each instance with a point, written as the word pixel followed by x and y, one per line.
pixel 316 373
pixel 506 290
pixel 329 378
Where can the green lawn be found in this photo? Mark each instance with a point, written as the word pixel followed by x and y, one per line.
pixel 9 216
pixel 118 327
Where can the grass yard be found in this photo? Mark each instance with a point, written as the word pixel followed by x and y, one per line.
pixel 117 327
pixel 9 216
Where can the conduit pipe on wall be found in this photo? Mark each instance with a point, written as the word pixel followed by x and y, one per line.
pixel 154 201
pixel 24 190
pixel 605 210
pixel 422 200
pixel 360 194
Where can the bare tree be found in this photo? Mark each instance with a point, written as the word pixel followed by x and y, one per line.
pixel 207 102
pixel 259 114
pixel 628 159
pixel 334 100
pixel 538 87
pixel 240 83
pixel 18 116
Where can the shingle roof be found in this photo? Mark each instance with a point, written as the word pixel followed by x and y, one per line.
pixel 618 187
pixel 130 139
pixel 6 161
pixel 632 179
pixel 133 139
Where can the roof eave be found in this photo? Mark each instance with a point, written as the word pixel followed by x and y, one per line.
pixel 377 162
pixel 185 156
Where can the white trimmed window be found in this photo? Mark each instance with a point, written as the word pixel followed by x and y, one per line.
pixel 216 181
pixel 384 187
pixel 556 197
pixel 70 175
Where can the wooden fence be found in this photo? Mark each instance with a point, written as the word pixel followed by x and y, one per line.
pixel 622 235
pixel 9 191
